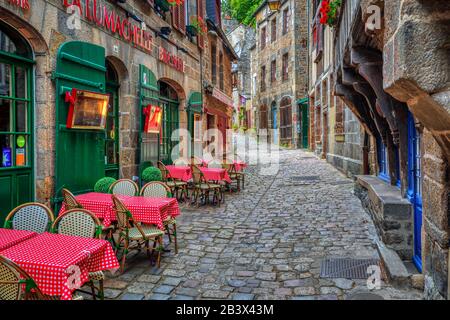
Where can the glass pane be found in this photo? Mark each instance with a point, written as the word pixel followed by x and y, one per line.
pixel 5 79
pixel 21 150
pixel 111 154
pixel 12 42
pixel 21 116
pixel 5 115
pixel 5 151
pixel 21 82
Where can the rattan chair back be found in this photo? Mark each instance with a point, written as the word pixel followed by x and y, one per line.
pixel 69 200
pixel 78 222
pixel 124 187
pixel 155 190
pixel 123 215
pixel 15 283
pixel 33 216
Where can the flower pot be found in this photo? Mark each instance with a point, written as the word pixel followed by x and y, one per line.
pixel 163 5
pixel 191 30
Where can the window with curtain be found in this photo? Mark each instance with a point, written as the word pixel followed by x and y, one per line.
pixel 285 21
pixel 263 37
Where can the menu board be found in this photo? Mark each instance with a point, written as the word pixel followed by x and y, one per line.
pixel 88 110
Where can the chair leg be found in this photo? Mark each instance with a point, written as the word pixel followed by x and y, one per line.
pixel 101 290
pixel 175 237
pixel 160 246
pixel 168 233
pixel 125 252
pixel 94 295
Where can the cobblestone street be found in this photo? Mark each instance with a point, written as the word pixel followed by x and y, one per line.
pixel 266 242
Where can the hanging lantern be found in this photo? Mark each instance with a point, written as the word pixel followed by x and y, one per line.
pixel 274 5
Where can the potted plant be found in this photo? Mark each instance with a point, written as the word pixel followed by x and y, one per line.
pixel 151 174
pixel 103 185
pixel 329 12
pixel 197 27
pixel 163 5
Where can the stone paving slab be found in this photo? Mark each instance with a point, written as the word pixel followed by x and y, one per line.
pixel 266 242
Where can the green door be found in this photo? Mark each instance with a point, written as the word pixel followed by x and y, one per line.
pixel 171 120
pixel 16 122
pixel 148 142
pixel 80 154
pixel 112 124
pixel 304 113
pixel 194 114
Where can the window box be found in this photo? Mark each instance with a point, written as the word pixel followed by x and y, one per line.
pixel 192 30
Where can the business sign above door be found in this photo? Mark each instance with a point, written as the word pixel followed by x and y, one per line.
pixel 171 60
pixel 108 18
pixel 24 4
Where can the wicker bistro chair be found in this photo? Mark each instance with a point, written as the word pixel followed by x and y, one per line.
pixel 17 284
pixel 83 223
pixel 178 188
pixel 69 200
pixel 70 203
pixel 32 216
pixel 196 161
pixel 234 176
pixel 203 188
pixel 124 187
pixel 160 190
pixel 132 232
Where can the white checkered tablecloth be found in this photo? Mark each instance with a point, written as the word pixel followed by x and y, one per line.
pixel 60 264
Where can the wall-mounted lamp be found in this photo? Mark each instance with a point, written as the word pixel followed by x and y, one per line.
pixel 274 5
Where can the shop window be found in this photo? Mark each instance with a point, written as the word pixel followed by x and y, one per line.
pixel 221 72
pixel 274 29
pixel 14 112
pixel 286 118
pixel 285 67
pixel 214 64
pixel 263 78
pixel 112 122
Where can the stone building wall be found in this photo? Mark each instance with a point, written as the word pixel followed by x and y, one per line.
pixel 46 28
pixel 294 44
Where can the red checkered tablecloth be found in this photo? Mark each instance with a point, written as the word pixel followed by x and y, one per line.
pixel 239 165
pixel 60 264
pixel 152 210
pixel 180 173
pixel 145 210
pixel 9 237
pixel 213 174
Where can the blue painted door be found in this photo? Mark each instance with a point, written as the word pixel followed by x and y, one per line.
pixel 275 125
pixel 415 187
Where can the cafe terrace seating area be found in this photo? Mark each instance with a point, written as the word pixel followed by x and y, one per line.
pixel 64 255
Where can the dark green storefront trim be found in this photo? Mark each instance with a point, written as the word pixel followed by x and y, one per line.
pixel 303 109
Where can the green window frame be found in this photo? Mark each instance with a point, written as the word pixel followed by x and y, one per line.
pixel 20 123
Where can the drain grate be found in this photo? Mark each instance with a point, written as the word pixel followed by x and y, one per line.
pixel 305 178
pixel 346 268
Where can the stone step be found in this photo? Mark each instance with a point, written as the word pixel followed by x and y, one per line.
pixel 394 266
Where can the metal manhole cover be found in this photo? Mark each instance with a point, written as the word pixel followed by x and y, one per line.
pixel 347 268
pixel 364 296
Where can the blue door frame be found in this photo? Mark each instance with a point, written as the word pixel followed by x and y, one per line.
pixel 414 193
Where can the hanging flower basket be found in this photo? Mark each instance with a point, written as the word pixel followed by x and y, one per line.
pixel 163 5
pixel 175 2
pixel 199 25
pixel 329 12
